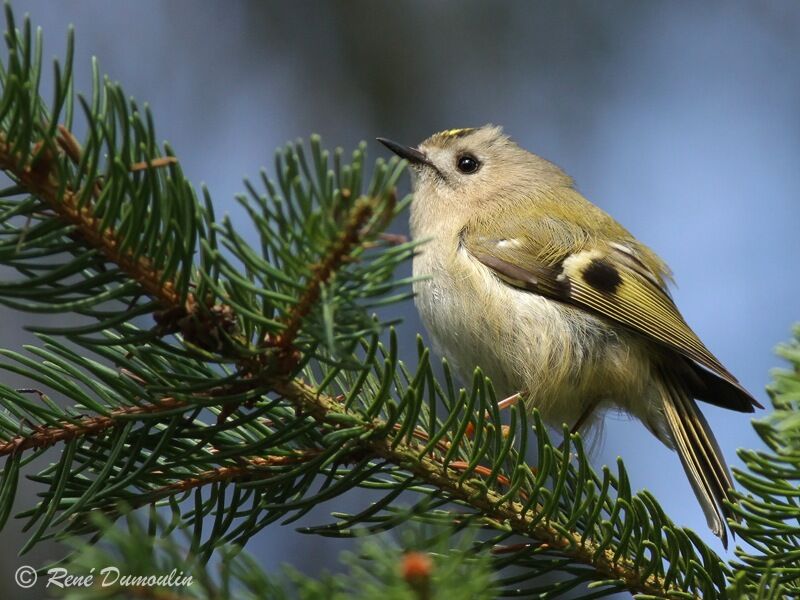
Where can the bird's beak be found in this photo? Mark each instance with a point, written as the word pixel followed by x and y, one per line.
pixel 412 155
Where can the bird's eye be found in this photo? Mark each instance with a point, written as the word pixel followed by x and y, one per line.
pixel 467 164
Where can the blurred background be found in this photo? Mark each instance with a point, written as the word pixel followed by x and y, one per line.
pixel 680 119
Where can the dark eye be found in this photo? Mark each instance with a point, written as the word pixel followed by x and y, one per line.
pixel 467 164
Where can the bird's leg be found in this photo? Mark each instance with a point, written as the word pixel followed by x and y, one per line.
pixel 587 412
pixel 510 401
pixel 502 405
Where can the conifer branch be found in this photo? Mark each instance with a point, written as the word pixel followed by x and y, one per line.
pixel 40 179
pixel 256 467
pixel 281 390
pixel 44 437
pixel 489 503
pixel 321 273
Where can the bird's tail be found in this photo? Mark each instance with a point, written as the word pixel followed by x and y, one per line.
pixel 700 454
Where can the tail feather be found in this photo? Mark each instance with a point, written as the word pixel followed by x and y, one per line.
pixel 700 455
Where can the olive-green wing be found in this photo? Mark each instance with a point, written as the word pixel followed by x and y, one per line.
pixel 601 280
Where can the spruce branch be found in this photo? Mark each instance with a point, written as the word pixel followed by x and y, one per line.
pixel 418 565
pixel 267 386
pixel 39 179
pixel 322 272
pixel 43 437
pixel 255 467
pixel 522 518
pixel 768 506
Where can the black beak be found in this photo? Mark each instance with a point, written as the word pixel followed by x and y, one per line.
pixel 412 155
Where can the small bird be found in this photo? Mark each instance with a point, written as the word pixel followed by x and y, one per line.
pixel 557 303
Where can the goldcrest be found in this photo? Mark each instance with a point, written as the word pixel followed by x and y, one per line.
pixel 558 303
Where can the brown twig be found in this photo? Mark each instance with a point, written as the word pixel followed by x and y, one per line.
pixel 40 180
pixel 255 467
pixel 163 161
pixel 512 548
pixel 44 437
pixel 322 273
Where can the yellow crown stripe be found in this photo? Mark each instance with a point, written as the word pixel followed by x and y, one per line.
pixel 448 133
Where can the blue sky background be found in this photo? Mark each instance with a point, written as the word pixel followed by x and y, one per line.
pixel 680 119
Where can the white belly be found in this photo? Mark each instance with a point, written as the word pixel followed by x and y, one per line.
pixel 563 358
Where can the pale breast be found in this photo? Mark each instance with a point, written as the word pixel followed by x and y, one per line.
pixel 563 357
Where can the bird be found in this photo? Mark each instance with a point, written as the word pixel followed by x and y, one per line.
pixel 557 303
